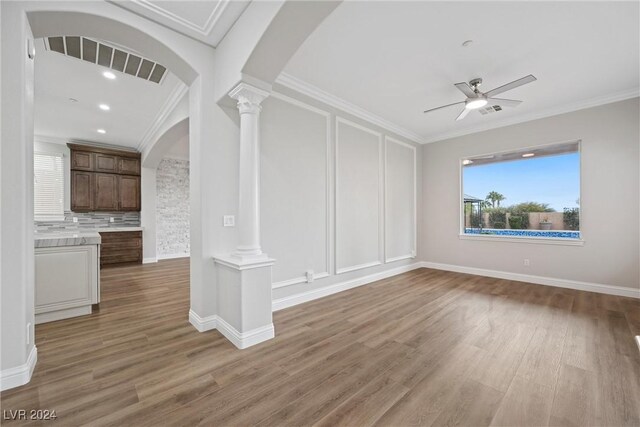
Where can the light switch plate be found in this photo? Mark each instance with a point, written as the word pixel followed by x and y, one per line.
pixel 229 221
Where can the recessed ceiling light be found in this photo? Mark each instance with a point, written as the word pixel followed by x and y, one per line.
pixel 102 131
pixel 73 100
pixel 104 107
pixel 467 43
pixel 467 162
pixel 528 155
pixel 109 75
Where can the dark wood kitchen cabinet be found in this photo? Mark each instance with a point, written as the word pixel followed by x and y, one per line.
pixel 120 247
pixel 106 163
pixel 104 180
pixel 128 166
pixel 129 187
pixel 81 191
pixel 81 160
pixel 106 194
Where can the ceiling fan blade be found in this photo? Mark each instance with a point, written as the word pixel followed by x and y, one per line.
pixel 514 84
pixel 466 89
pixel 444 106
pixel 504 102
pixel 463 114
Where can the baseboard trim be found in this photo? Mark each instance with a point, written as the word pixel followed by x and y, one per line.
pixel 241 340
pixel 172 256
pixel 149 260
pixel 203 324
pixel 20 375
pixel 290 301
pixel 539 280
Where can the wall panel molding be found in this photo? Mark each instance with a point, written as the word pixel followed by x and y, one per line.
pixel 414 232
pixel 380 213
pixel 328 241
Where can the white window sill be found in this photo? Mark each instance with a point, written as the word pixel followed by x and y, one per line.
pixel 48 218
pixel 562 241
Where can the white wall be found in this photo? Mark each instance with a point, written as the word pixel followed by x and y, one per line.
pixel 172 208
pixel 16 186
pixel 609 199
pixel 323 195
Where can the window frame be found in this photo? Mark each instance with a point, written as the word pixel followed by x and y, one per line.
pixel 52 216
pixel 562 241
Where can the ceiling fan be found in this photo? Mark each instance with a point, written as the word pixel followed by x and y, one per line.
pixel 476 99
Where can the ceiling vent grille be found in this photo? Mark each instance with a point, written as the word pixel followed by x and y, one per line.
pixel 112 57
pixel 490 109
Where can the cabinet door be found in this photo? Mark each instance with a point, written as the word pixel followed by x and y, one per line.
pixel 128 166
pixel 81 191
pixel 106 163
pixel 106 192
pixel 81 160
pixel 129 187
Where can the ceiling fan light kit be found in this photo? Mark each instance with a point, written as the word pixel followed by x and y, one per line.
pixel 476 99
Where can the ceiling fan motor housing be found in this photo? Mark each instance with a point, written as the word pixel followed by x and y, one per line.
pixel 475 83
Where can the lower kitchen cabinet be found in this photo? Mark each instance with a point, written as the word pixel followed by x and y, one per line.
pixel 121 247
pixel 67 281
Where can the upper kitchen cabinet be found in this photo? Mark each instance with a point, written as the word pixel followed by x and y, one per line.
pixel 81 160
pixel 104 180
pixel 106 163
pixel 129 197
pixel 128 166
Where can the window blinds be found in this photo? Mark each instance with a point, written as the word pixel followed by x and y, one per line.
pixel 48 186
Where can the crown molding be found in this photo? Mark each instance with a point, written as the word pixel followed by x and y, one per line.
pixel 167 108
pixel 51 139
pixel 203 30
pixel 568 108
pixel 314 92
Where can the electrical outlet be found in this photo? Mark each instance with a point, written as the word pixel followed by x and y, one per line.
pixel 75 219
pixel 526 263
pixel 229 221
pixel 309 276
pixel 111 219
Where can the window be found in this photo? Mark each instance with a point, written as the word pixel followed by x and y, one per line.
pixel 48 187
pixel 530 193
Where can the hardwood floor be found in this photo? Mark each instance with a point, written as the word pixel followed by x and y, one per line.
pixel 423 348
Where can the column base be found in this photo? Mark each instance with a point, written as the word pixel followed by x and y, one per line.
pixel 244 299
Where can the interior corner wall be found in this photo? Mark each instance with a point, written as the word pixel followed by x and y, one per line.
pixel 610 154
pixel 339 197
pixel 172 208
pixel 16 183
pixel 148 214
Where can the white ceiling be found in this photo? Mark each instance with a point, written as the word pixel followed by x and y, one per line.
pixel 206 20
pixel 396 59
pixel 135 103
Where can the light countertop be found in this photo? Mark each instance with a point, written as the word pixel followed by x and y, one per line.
pixel 49 240
pixel 115 229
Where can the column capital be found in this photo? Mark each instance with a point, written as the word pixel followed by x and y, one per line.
pixel 248 97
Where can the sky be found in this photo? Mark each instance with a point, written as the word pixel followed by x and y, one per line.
pixel 554 180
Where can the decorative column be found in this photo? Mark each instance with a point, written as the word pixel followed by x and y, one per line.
pixel 244 276
pixel 249 99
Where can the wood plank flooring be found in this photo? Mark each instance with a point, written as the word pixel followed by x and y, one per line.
pixel 423 348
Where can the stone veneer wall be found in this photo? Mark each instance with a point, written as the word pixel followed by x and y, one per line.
pixel 90 220
pixel 172 208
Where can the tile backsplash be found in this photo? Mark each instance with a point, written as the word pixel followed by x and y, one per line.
pixel 90 220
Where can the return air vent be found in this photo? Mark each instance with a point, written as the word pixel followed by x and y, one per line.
pixel 102 54
pixel 490 109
